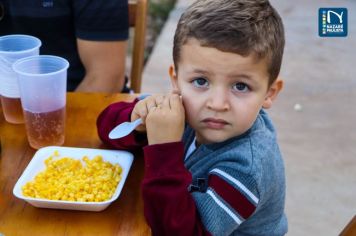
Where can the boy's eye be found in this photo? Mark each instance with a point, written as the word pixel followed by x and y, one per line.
pixel 200 82
pixel 240 87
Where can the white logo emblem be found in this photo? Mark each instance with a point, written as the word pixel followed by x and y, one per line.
pixel 336 14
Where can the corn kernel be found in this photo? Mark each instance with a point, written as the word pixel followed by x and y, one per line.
pixel 67 179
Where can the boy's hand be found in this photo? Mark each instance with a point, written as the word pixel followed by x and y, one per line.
pixel 165 122
pixel 142 108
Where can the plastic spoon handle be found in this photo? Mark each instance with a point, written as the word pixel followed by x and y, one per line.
pixel 124 129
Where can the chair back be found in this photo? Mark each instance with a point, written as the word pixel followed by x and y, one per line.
pixel 350 228
pixel 137 19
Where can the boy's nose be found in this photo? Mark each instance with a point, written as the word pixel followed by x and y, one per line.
pixel 219 101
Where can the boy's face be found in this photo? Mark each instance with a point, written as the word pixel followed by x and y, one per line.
pixel 222 92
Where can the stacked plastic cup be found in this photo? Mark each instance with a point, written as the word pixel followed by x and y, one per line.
pixel 12 48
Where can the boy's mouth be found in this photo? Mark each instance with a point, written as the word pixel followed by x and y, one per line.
pixel 213 123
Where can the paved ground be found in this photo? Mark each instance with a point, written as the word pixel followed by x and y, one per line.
pixel 319 141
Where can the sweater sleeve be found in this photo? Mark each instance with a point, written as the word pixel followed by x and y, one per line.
pixel 168 206
pixel 230 198
pixel 113 115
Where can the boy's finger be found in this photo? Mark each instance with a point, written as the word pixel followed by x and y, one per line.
pixel 159 100
pixel 175 101
pixel 150 103
pixel 165 103
pixel 143 113
pixel 141 110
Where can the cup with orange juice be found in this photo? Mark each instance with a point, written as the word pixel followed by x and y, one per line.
pixel 12 48
pixel 42 82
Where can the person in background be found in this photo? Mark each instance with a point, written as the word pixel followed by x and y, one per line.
pixel 212 161
pixel 91 35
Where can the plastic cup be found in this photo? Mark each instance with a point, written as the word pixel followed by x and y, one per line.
pixel 43 81
pixel 12 48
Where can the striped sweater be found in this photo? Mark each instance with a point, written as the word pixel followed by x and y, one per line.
pixel 236 187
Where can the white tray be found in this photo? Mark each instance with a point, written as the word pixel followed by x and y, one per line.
pixel 123 158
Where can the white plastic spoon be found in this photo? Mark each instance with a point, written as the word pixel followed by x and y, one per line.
pixel 124 129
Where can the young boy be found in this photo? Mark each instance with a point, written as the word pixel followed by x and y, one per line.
pixel 212 163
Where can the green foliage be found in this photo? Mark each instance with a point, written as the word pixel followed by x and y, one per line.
pixel 160 8
pixel 158 12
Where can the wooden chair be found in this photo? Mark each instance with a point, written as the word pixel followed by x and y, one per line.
pixel 350 228
pixel 137 19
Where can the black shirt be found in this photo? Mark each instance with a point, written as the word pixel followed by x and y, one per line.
pixel 57 23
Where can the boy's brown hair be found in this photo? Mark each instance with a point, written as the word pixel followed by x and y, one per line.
pixel 244 27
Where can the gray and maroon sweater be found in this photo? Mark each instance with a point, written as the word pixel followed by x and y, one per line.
pixel 236 187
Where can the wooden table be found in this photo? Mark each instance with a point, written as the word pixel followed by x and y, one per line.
pixel 122 217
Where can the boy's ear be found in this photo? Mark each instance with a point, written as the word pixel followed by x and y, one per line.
pixel 174 79
pixel 272 93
